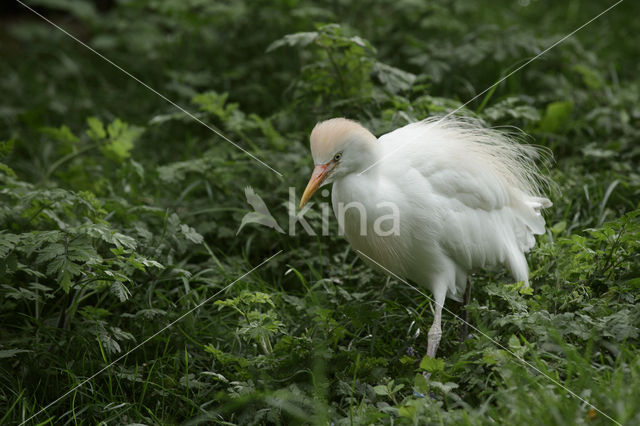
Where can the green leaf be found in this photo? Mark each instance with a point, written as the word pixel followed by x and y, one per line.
pixel 514 342
pixel 431 365
pixel 556 115
pixel 10 353
pixel 62 134
pixel 298 39
pixel 120 291
pixel 7 170
pixel 590 76
pixel 559 227
pixel 121 240
pixel 81 250
pixel 121 140
pixel 102 231
pixel 393 79
pixel 7 242
pixel 96 129
pixel 444 387
pixel 6 147
pixel 510 108
pixel 64 279
pixel 420 383
pixel 408 410
pixel 191 234
pixel 50 252
pixel 381 390
pixel 176 172
pixel 407 359
pixel 110 345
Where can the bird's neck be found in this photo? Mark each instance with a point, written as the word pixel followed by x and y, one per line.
pixel 370 154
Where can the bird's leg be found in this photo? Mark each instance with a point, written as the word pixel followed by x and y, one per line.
pixel 464 332
pixel 435 332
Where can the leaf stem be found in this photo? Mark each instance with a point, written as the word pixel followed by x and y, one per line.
pixel 66 158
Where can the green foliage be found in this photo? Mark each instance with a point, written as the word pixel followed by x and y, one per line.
pixel 431 365
pixel 118 215
pixel 555 115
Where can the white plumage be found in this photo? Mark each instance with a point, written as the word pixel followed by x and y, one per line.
pixel 467 197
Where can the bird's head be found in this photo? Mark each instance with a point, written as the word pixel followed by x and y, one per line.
pixel 339 147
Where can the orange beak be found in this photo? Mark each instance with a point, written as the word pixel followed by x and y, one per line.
pixel 319 174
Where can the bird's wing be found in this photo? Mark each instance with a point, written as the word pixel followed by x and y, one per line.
pixel 477 167
pixel 481 186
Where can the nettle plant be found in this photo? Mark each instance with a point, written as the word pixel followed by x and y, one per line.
pixel 74 251
pixel 339 69
pixel 112 227
pixel 59 240
pixel 255 323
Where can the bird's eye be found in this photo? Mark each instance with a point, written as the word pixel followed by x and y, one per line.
pixel 337 157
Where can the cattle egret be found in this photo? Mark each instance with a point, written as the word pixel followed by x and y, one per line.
pixel 467 197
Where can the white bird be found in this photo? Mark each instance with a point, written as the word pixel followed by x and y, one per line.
pixel 465 197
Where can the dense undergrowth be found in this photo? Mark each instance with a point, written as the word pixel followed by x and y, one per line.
pixel 119 214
